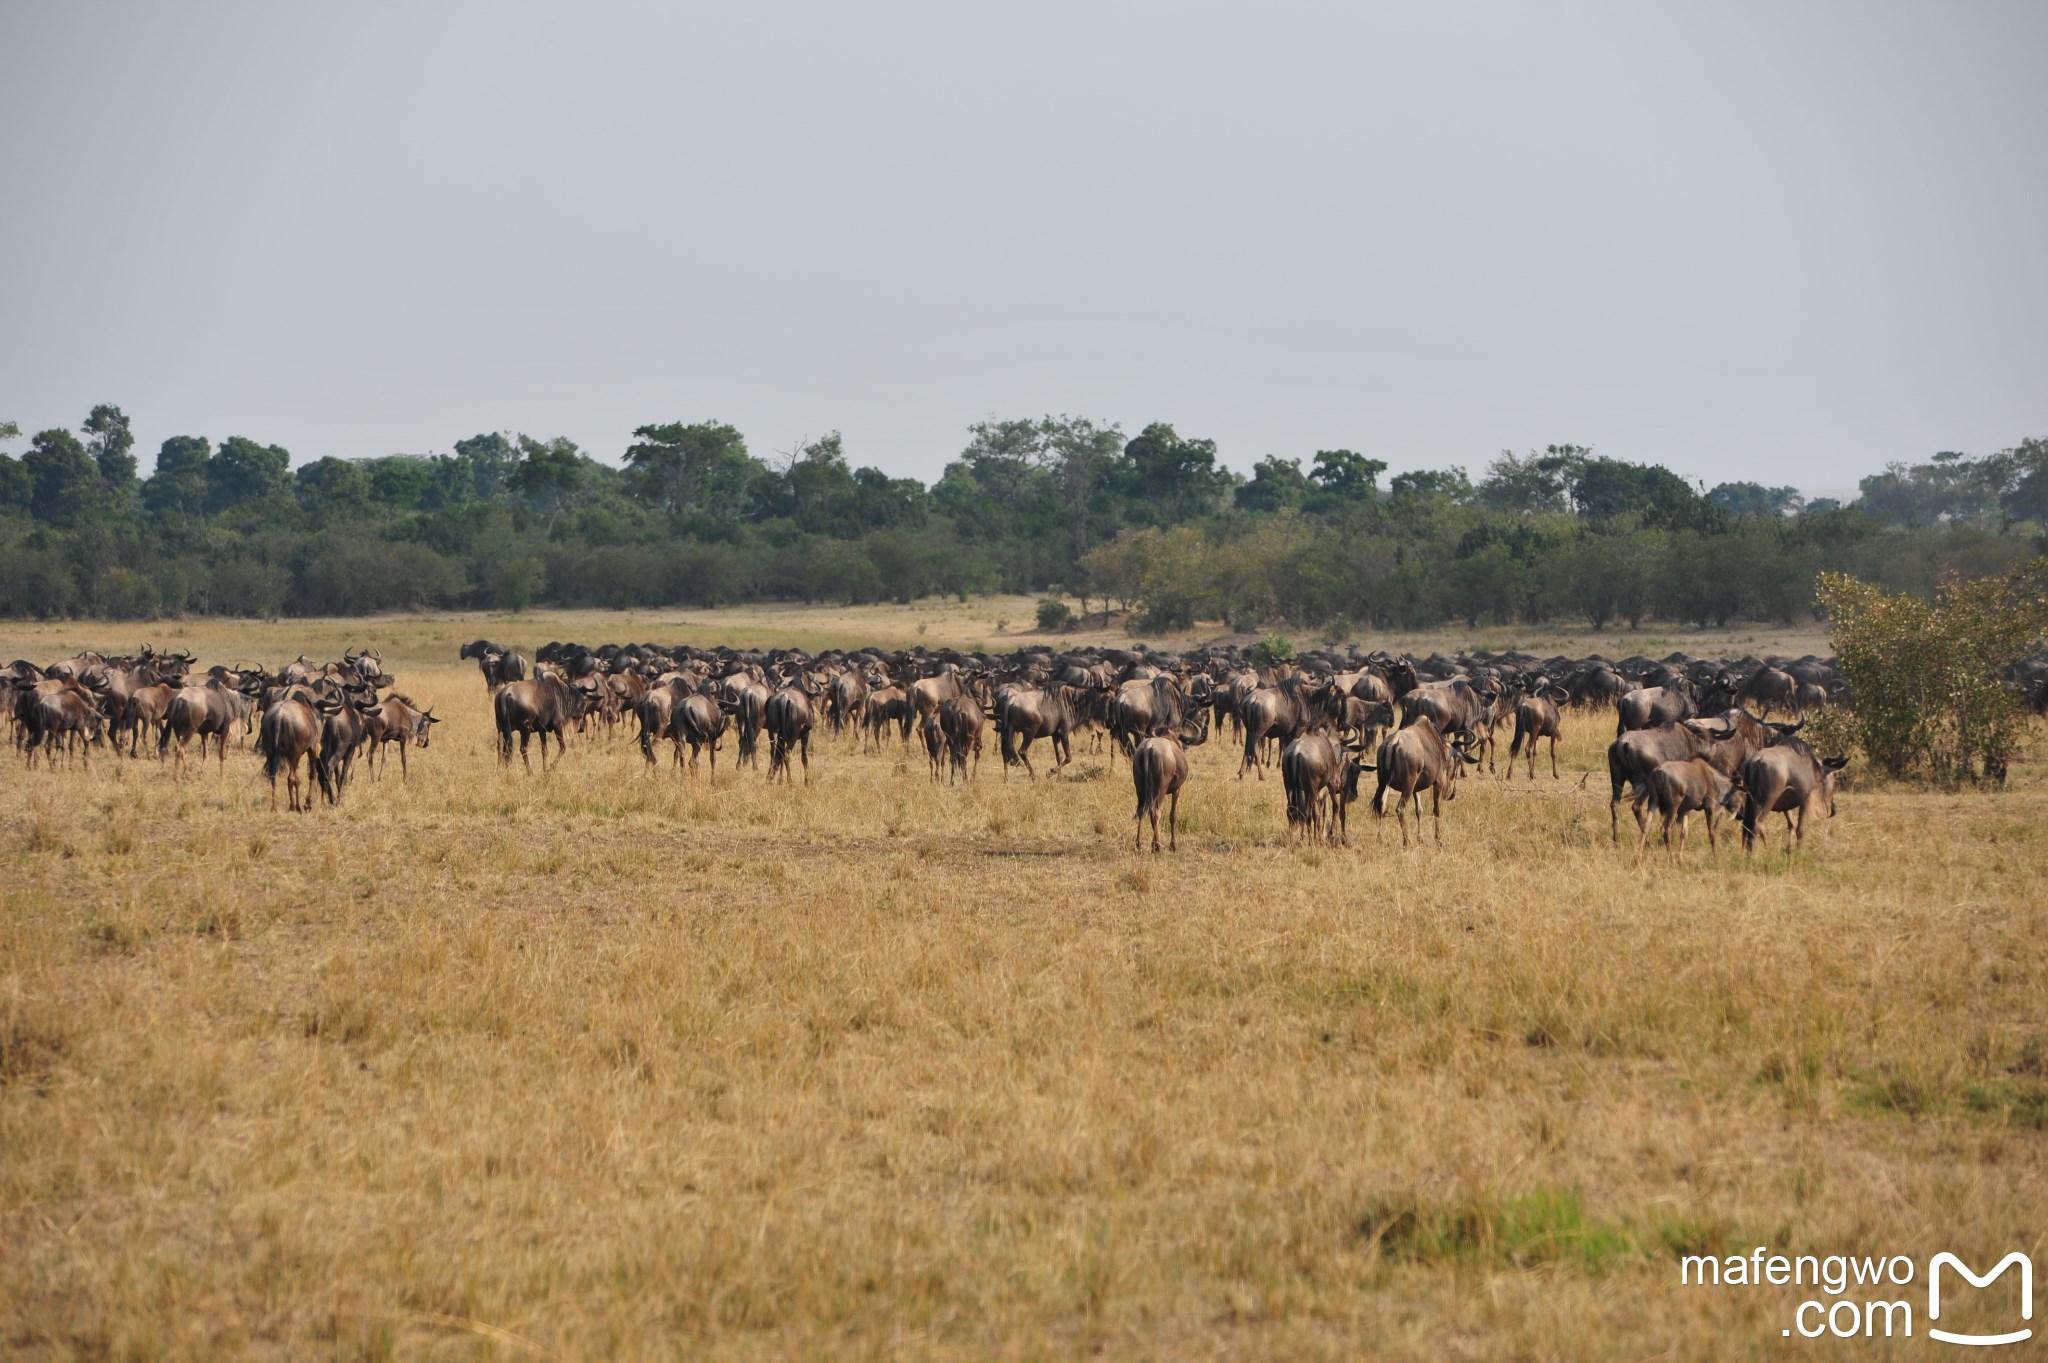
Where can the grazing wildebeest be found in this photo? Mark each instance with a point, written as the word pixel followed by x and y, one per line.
pixel 201 711
pixel 788 718
pixel 1281 712
pixel 1692 783
pixel 1414 758
pixel 961 719
pixel 1537 717
pixel 847 700
pixel 290 731
pixel 1786 778
pixel 546 705
pixel 887 706
pixel 928 693
pixel 1025 714
pixel 1143 706
pixel 698 721
pixel 498 663
pixel 656 712
pixel 62 714
pixel 1454 706
pixel 1725 742
pixel 1159 768
pixel 1317 768
pixel 343 730
pixel 1650 706
pixel 397 720
pixel 746 700
pixel 1771 689
pixel 933 740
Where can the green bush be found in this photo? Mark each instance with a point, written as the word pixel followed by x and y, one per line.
pixel 1055 615
pixel 1272 651
pixel 1926 700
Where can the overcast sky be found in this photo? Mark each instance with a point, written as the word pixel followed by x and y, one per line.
pixel 1783 241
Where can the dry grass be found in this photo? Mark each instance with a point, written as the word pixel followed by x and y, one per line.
pixel 612 1065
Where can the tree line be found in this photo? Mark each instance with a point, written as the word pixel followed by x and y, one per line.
pixel 1152 523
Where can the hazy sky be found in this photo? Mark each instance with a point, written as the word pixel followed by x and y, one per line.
pixel 1784 241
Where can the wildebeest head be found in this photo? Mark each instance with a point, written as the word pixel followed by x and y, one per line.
pixel 1830 767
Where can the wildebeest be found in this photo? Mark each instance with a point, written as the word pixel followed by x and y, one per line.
pixel 1679 788
pixel 886 706
pixel 1771 689
pixel 546 705
pixel 932 739
pixel 343 730
pixel 1159 768
pixel 290 732
pixel 1144 706
pixel 498 663
pixel 960 719
pixel 1026 714
pixel 1536 717
pixel 1786 778
pixel 1726 741
pixel 202 712
pixel 788 718
pixel 1317 770
pixel 1280 712
pixel 397 720
pixel 698 721
pixel 1649 706
pixel 847 700
pixel 1414 758
pixel 59 713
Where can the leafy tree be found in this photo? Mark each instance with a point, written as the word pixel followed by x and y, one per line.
pixel 1927 700
pixel 700 467
pixel 112 445
pixel 551 475
pixel 16 487
pixel 333 489
pixel 244 471
pixel 64 482
pixel 1077 456
pixel 1346 476
pixel 399 482
pixel 482 467
pixel 180 480
pixel 1754 499
pixel 1171 479
pixel 1275 484
pixel 1449 485
pixel 2027 498
pixel 1528 484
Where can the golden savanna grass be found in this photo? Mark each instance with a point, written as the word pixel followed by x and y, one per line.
pixel 619 1064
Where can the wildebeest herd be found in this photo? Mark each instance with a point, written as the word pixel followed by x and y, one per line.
pixel 319 716
pixel 1692 735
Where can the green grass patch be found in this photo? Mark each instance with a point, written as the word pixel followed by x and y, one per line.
pixel 1541 1226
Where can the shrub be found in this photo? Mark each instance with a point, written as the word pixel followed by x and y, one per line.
pixel 1272 650
pixel 124 594
pixel 1926 700
pixel 1055 615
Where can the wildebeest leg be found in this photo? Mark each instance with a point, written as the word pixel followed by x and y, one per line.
pixel 1436 814
pixel 1713 845
pixel 524 761
pixel 1172 822
pixel 1553 759
pixel 404 771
